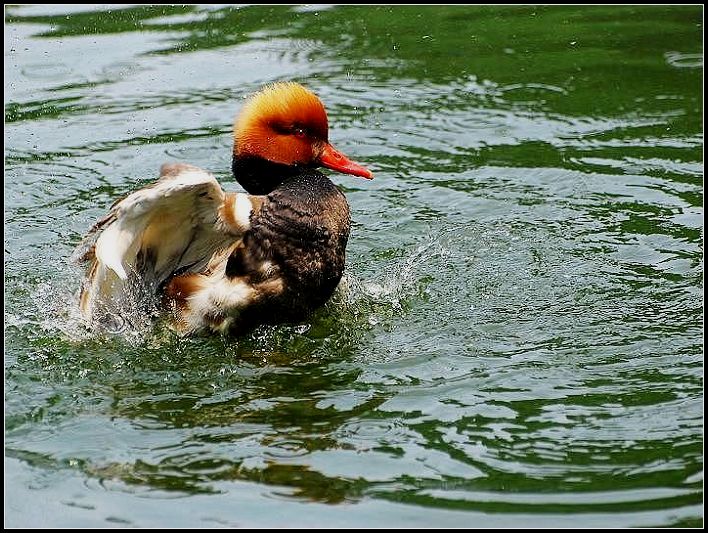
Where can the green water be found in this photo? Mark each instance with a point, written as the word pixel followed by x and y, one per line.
pixel 519 342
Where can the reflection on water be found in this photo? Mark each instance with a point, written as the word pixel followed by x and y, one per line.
pixel 518 336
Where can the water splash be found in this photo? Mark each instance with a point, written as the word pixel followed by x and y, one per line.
pixel 52 309
pixel 379 299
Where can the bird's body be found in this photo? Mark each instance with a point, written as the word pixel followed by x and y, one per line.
pixel 226 262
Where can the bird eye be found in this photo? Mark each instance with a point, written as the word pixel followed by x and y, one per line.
pixel 299 133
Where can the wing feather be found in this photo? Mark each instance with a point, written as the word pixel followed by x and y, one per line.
pixel 173 225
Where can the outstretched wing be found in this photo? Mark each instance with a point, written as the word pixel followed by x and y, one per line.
pixel 174 225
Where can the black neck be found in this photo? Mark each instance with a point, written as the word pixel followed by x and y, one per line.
pixel 260 176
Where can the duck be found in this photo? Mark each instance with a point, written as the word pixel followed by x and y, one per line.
pixel 227 262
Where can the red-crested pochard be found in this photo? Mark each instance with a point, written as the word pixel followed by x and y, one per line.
pixel 227 262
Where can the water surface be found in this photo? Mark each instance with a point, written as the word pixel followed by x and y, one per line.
pixel 519 338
